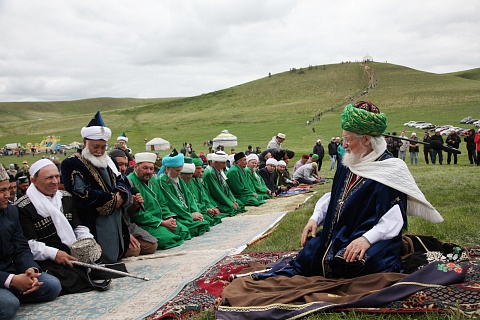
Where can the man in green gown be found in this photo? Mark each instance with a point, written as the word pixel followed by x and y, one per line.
pixel 241 186
pixel 187 176
pixel 157 219
pixel 216 182
pixel 257 181
pixel 179 198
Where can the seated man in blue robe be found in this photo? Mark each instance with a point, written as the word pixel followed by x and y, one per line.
pixel 99 191
pixel 365 212
pixel 21 279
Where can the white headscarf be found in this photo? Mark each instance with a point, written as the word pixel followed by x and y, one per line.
pixel 394 173
pixel 50 207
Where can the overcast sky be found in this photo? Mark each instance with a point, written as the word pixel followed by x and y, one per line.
pixel 76 49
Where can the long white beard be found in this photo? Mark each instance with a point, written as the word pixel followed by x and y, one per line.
pixel 99 162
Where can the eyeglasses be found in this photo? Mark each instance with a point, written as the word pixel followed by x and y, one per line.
pixel 347 141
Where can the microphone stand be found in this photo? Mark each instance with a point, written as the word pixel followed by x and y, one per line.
pixel 438 146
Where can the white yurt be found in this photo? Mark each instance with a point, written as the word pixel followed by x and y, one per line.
pixel 157 144
pixel 225 139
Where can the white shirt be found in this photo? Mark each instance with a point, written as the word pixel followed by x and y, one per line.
pixel 389 225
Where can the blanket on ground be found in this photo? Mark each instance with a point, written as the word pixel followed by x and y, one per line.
pixel 204 292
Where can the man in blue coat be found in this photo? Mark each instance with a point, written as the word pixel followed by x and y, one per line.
pixel 21 279
pixel 366 210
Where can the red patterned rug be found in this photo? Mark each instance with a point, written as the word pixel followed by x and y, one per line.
pixel 204 292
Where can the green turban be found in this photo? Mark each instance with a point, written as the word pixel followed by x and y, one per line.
pixel 359 120
pixel 197 161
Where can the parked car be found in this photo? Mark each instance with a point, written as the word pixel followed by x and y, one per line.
pixel 466 120
pixel 410 123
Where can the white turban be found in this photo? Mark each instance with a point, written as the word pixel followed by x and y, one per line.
pixel 96 133
pixel 252 156
pixel 272 161
pixel 96 129
pixel 281 163
pixel 145 157
pixel 188 168
pixel 39 165
pixel 219 156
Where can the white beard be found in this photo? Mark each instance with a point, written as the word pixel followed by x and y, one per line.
pixel 350 159
pixel 173 179
pixel 99 162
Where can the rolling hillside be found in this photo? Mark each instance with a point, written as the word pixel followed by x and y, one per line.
pixel 257 110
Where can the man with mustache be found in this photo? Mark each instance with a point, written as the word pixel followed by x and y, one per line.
pixel 99 190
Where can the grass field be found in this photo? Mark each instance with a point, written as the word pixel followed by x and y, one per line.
pixel 258 110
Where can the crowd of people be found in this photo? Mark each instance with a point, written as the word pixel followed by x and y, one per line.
pixel 398 146
pixel 124 204
pixel 134 204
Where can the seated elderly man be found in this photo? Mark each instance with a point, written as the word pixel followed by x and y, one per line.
pixel 216 182
pixel 21 278
pixel 365 212
pixel 205 202
pixel 187 176
pixel 156 219
pixel 51 224
pixel 239 183
pixel 257 181
pixel 307 174
pixel 179 198
pixel 99 190
pixel 268 175
pixel 362 220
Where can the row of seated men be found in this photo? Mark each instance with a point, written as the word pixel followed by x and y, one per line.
pixel 163 212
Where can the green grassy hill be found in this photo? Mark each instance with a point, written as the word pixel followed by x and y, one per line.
pixel 257 110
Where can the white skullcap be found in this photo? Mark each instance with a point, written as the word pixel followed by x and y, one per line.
pixel 220 156
pixel 188 168
pixel 145 157
pixel 271 161
pixel 252 156
pixel 96 133
pixel 39 165
pixel 281 163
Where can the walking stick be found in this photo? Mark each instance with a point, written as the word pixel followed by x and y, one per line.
pixel 235 276
pixel 97 267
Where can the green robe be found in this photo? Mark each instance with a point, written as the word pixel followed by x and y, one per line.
pixel 156 210
pixel 204 200
pixel 181 201
pixel 221 193
pixel 241 186
pixel 258 183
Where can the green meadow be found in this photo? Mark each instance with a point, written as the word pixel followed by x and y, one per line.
pixel 257 110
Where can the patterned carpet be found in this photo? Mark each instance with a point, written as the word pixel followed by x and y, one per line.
pixel 203 293
pixel 169 271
